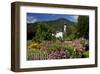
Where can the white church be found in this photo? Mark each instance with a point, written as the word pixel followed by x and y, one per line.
pixel 60 33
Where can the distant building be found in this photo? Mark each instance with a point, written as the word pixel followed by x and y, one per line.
pixel 60 33
pixel 65 28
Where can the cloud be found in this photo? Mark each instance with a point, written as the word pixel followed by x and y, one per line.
pixel 31 19
pixel 74 18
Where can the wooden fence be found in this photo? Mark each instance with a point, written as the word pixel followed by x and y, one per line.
pixel 39 56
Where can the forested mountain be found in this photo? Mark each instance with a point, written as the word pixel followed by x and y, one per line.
pixel 57 24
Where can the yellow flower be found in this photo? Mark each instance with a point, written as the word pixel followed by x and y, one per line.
pixel 34 45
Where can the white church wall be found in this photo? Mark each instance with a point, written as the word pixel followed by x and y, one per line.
pixel 59 34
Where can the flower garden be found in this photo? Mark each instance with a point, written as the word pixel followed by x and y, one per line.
pixel 58 49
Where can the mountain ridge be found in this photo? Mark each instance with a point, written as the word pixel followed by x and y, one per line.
pixel 59 19
pixel 57 25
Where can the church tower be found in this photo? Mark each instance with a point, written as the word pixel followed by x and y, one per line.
pixel 65 26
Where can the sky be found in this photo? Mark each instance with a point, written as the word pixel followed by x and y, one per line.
pixel 35 17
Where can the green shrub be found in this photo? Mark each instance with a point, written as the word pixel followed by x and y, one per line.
pixel 69 37
pixel 85 54
pixel 82 42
